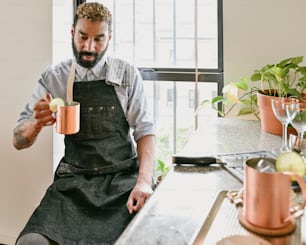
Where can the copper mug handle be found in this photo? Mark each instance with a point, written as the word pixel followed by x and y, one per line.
pixel 302 185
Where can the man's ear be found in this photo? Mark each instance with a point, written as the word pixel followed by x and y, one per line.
pixel 110 37
pixel 72 30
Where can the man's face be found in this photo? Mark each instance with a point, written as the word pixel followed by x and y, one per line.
pixel 89 41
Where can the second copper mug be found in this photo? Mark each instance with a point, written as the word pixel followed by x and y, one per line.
pixel 68 118
pixel 267 196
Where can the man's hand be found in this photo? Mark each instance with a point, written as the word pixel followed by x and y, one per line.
pixel 42 113
pixel 25 134
pixel 141 192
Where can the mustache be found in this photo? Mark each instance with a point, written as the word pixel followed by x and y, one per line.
pixel 87 54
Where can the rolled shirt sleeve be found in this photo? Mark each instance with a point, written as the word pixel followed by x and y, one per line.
pixel 134 103
pixel 54 81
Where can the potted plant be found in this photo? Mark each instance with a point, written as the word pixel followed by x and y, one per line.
pixel 286 78
pixel 161 170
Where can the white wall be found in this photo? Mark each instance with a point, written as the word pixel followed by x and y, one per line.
pixel 62 21
pixel 26 49
pixel 261 32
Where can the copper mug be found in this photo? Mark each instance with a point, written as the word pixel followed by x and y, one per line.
pixel 267 196
pixel 68 118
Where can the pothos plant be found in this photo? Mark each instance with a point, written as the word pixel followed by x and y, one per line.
pixel 286 78
pixel 161 169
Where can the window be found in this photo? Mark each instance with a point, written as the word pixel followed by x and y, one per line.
pixel 177 46
pixel 191 98
pixel 161 33
pixel 170 97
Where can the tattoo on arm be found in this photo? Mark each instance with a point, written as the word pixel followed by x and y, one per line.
pixel 20 140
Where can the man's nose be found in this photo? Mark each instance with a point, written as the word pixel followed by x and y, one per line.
pixel 90 45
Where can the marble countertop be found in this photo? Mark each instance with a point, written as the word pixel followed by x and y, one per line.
pixel 225 135
pixel 183 201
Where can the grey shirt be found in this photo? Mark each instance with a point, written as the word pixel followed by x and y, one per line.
pixel 125 78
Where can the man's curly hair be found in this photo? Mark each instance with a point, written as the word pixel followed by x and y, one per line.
pixel 94 12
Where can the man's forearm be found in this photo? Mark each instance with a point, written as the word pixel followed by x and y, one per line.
pixel 146 156
pixel 25 134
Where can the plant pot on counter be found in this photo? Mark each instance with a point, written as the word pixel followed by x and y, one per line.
pixel 269 122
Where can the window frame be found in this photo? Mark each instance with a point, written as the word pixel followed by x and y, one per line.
pixel 189 74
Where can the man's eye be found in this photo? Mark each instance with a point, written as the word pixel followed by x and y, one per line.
pixel 99 39
pixel 83 37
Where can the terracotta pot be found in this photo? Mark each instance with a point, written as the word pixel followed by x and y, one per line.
pixel 269 122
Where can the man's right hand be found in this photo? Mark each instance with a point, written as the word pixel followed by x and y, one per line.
pixel 42 115
pixel 25 134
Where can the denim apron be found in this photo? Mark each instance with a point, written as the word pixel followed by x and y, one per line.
pixel 86 203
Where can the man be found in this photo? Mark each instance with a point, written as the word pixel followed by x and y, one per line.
pixel 103 179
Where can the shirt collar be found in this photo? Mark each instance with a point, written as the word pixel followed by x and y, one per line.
pixel 96 70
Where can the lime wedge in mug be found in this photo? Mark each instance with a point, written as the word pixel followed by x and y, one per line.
pixel 290 161
pixel 54 103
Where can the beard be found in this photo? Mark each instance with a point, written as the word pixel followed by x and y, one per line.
pixel 87 63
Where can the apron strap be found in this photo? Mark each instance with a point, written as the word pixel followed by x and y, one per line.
pixel 69 93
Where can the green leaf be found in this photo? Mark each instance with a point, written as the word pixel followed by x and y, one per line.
pixel 243 85
pixel 217 99
pixel 246 102
pixel 204 102
pixel 293 92
pixel 302 70
pixel 297 60
pixel 245 111
pixel 301 117
pixel 160 165
pixel 256 77
pixel 284 62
